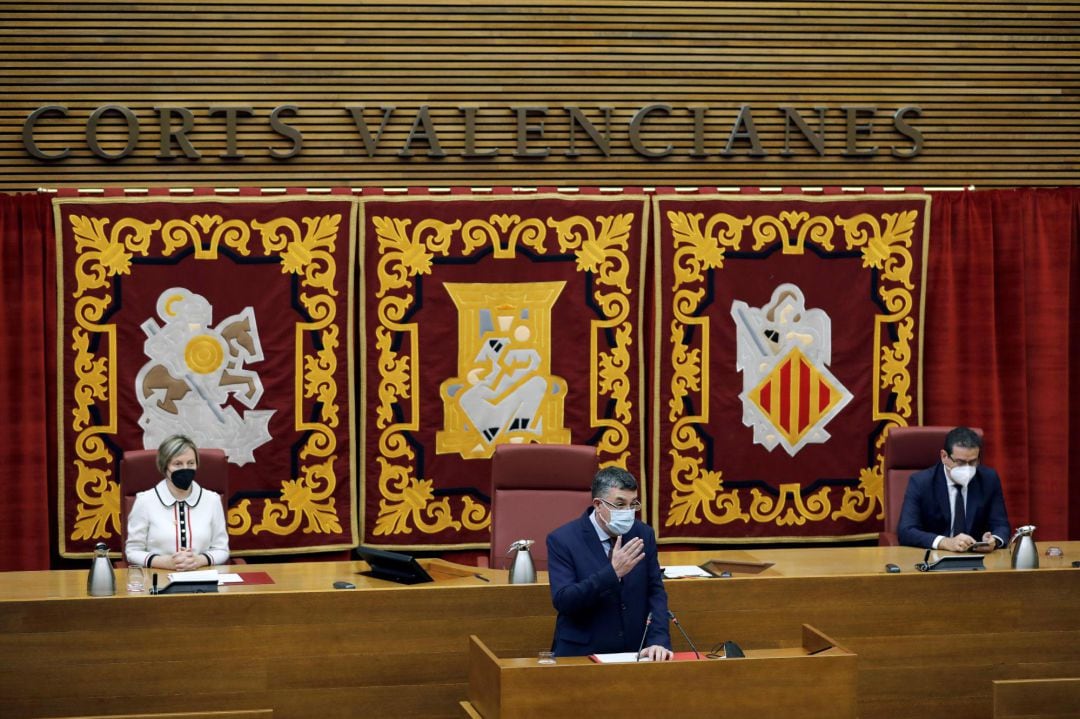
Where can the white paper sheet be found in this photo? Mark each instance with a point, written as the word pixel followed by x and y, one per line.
pixel 203 575
pixel 206 575
pixel 689 570
pixel 617 658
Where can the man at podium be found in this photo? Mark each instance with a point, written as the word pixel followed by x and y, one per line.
pixel 605 577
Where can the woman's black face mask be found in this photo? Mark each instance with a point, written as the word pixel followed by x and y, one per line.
pixel 182 478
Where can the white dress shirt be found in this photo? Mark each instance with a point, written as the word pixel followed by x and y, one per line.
pixel 953 489
pixel 606 540
pixel 161 524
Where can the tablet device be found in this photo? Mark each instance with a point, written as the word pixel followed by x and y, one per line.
pixel 951 563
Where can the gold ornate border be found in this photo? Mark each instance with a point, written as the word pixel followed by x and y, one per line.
pixel 104 249
pixel 697 492
pixel 407 250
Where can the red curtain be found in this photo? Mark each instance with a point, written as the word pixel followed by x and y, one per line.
pixel 1002 292
pixel 26 386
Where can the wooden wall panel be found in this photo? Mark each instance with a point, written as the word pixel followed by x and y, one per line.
pixel 997 84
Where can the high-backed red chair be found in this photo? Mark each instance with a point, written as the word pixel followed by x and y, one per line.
pixel 907 450
pixel 138 472
pixel 536 488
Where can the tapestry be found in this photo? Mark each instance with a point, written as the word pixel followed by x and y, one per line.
pixel 788 341
pixel 489 321
pixel 227 320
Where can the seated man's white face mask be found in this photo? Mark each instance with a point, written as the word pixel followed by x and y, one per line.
pixel 962 475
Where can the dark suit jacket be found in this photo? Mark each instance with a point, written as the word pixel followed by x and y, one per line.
pixel 926 510
pixel 597 612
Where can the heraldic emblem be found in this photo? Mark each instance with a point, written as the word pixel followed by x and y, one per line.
pixel 504 391
pixel 783 351
pixel 193 371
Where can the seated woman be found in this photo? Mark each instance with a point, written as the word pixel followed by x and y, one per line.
pixel 178 524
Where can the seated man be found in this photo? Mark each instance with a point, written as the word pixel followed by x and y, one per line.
pixel 946 506
pixel 605 577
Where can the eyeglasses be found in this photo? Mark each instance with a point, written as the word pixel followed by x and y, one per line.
pixel 964 462
pixel 635 505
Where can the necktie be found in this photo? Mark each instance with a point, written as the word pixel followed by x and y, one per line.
pixel 959 524
pixel 608 545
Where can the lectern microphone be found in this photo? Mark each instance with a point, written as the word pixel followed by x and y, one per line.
pixel 648 621
pixel 685 635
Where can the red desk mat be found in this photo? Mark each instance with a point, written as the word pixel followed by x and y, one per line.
pixel 256 577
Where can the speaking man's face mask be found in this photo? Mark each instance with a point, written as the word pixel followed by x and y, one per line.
pixel 621 521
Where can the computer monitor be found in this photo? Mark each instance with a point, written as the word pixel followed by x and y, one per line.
pixel 393 566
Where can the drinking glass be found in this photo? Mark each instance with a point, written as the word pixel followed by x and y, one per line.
pixel 136 581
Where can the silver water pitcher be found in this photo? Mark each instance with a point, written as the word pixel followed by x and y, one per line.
pixel 1025 555
pixel 101 581
pixel 522 569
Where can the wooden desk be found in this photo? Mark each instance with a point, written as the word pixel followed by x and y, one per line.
pixel 306 650
pixel 1037 698
pixel 811 679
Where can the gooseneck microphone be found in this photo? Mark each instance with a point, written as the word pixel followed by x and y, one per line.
pixel 153 589
pixel 685 635
pixel 648 621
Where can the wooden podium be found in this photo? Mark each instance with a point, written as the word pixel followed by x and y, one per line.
pixel 816 679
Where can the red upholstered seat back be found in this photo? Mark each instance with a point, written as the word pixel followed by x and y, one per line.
pixel 138 472
pixel 536 488
pixel 907 450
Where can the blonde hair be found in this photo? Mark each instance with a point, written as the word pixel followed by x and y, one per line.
pixel 171 447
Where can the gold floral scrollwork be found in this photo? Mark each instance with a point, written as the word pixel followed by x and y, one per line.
pixel 238 518
pixel 395 377
pixel 91 379
pixel 601 253
pixel 686 376
pixel 504 233
pixel 601 249
pixel 866 500
pixel 894 373
pixel 789 508
pixel 767 229
pixel 308 252
pixel 612 370
pixel 406 252
pixel 98 513
pixel 102 254
pixel 697 491
pixel 205 233
pixel 103 250
pixel 308 498
pixel 319 369
pixel 860 503
pixel 408 502
pixel 475 516
pixel 884 249
pixel 697 250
